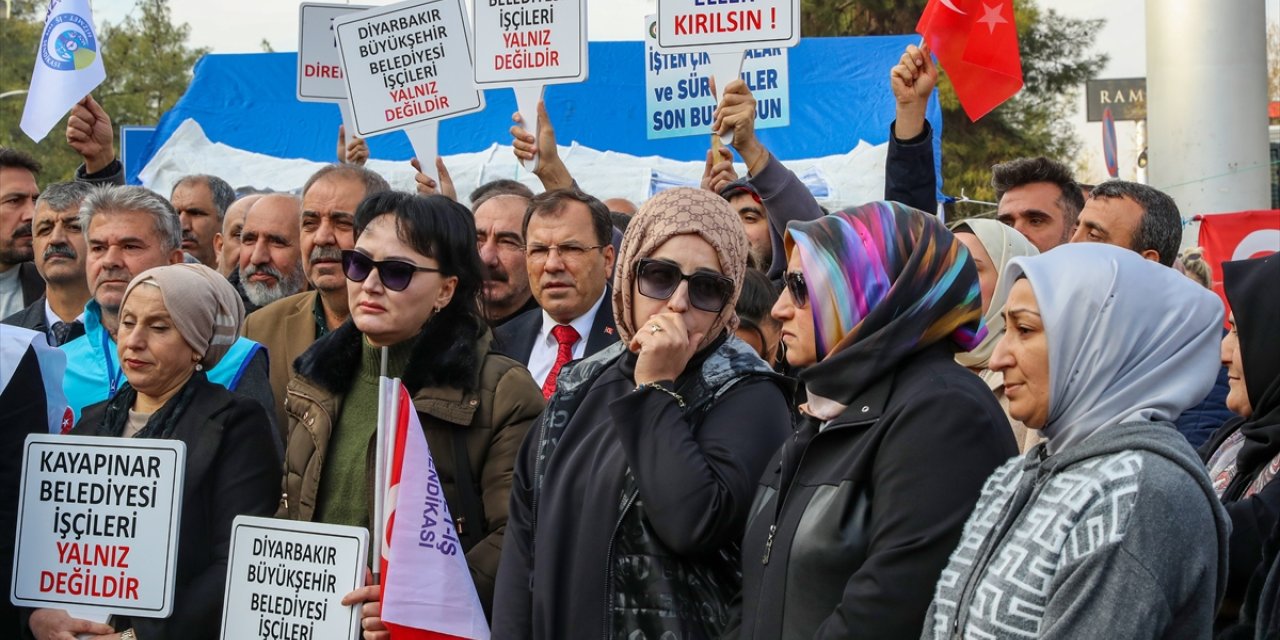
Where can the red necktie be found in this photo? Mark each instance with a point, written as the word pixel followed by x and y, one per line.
pixel 566 336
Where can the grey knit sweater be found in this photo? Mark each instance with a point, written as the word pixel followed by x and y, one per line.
pixel 1120 536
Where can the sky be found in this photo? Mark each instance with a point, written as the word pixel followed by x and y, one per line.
pixel 235 26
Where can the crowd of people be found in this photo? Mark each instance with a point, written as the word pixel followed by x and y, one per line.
pixel 722 413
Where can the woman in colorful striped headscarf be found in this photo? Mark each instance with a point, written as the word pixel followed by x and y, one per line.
pixel 856 515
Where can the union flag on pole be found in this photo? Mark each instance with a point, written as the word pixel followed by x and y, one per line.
pixel 976 42
pixel 427 592
pixel 68 66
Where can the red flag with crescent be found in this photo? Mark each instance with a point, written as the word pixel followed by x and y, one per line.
pixel 976 42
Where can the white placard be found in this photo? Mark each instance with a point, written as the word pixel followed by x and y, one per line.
pixel 286 579
pixel 728 25
pixel 530 42
pixel 319 65
pixel 678 96
pixel 98 524
pixel 406 64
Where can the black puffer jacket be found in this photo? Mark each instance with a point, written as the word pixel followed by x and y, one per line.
pixel 873 505
pixel 633 528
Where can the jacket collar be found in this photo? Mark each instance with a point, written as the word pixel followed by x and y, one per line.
pixel 443 374
pixel 867 406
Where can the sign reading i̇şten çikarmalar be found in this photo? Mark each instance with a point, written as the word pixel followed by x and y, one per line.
pixel 98 524
pixel 407 63
pixel 678 96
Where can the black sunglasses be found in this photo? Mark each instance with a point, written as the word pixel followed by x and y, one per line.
pixel 395 274
pixel 659 280
pixel 796 285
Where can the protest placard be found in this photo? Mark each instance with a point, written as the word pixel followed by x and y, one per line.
pixel 536 42
pixel 98 524
pixel 319 65
pixel 678 96
pixel 727 26
pixel 407 64
pixel 286 579
pixel 528 44
pixel 725 29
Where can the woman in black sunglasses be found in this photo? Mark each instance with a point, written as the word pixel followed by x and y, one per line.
pixel 413 282
pixel 857 514
pixel 632 490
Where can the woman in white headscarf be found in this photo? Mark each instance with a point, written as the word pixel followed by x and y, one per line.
pixel 1110 528
pixel 992 245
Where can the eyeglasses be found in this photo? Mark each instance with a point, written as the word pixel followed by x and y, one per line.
pixel 569 251
pixel 659 280
pixel 796 285
pixel 395 274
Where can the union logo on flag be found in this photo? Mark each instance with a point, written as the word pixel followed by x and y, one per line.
pixel 68 43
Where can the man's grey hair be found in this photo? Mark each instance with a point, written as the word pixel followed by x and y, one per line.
pixel 373 183
pixel 1160 229
pixel 61 196
pixel 223 194
pixel 131 199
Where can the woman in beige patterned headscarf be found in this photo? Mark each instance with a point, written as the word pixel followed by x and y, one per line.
pixel 176 322
pixel 675 424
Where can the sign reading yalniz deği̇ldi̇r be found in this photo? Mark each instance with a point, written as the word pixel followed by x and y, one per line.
pixel 98 524
pixel 407 63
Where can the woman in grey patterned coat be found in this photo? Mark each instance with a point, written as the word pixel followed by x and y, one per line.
pixel 1110 528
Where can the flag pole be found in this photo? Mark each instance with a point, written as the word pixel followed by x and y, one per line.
pixel 379 470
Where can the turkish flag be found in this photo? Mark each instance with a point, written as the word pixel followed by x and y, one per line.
pixel 976 41
pixel 1237 236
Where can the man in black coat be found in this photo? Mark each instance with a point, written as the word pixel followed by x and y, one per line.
pixel 30 402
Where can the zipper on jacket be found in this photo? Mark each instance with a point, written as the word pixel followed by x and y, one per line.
pixel 318 406
pixel 768 543
pixel 984 555
pixel 608 566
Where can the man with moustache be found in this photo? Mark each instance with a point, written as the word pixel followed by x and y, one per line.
pixel 201 201
pixel 569 256
pixel 227 243
pixel 270 258
pixel 20 283
pixel 127 231
pixel 59 248
pixel 500 241
pixel 287 327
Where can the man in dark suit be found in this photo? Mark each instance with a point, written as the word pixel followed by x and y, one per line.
pixel 569 257
pixel 20 285
pixel 59 249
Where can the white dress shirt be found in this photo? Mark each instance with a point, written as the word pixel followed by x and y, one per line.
pixel 10 292
pixel 545 347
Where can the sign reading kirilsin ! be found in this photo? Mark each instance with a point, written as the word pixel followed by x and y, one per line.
pixel 717 25
pixel 98 524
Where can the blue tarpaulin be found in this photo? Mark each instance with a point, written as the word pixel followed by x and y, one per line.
pixel 839 95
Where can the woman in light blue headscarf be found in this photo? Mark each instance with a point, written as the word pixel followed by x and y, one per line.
pixel 1109 528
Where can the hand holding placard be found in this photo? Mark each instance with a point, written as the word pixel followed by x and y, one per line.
pixel 737 115
pixel 427 186
pixel 525 145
